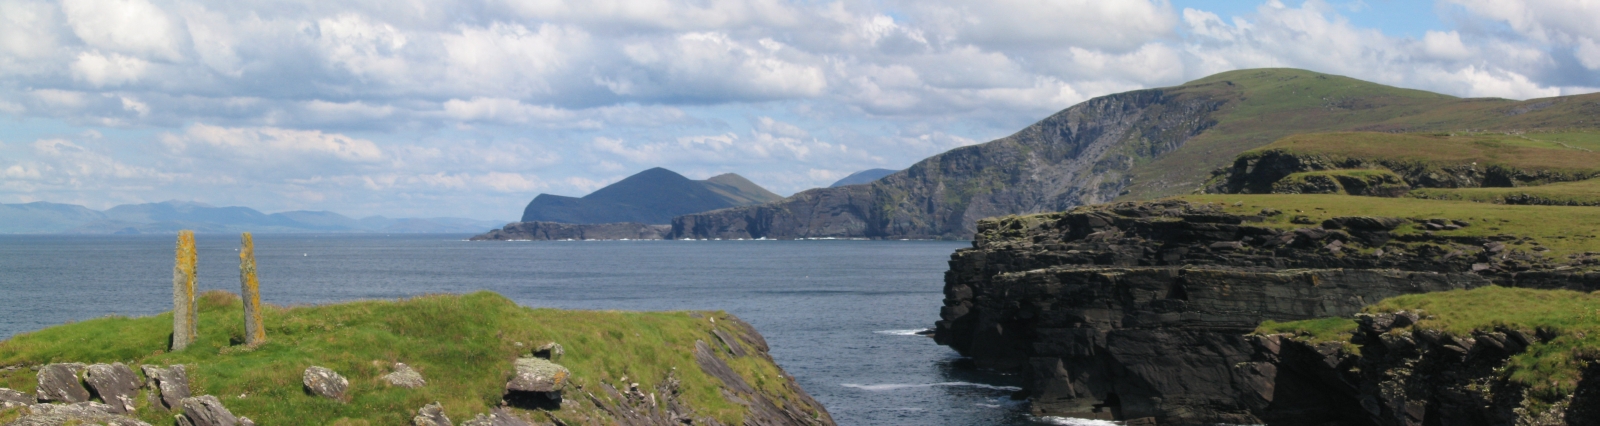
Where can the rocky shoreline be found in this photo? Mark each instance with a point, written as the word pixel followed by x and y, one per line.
pixel 1145 310
pixel 554 231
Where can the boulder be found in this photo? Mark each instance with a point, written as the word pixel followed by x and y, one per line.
pixel 12 399
pixel 73 414
pixel 404 376
pixel 60 383
pixel 497 417
pixel 115 384
pixel 324 382
pixel 538 375
pixel 206 410
pixel 170 385
pixel 431 415
pixel 551 351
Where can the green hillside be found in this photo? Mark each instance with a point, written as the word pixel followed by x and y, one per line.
pixel 1264 105
pixel 464 346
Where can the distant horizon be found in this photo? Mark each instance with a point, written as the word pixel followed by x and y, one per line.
pixel 470 109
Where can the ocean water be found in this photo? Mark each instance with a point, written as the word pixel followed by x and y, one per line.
pixel 839 315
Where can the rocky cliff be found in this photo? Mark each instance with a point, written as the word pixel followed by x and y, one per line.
pixel 553 231
pixel 1077 156
pixel 652 196
pixel 1145 310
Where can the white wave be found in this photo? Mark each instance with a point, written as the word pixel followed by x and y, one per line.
pixel 912 332
pixel 1064 421
pixel 898 386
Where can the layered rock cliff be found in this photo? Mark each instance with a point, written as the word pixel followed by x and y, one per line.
pixel 1145 310
pixel 1077 156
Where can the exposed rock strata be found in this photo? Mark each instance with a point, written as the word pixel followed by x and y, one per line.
pixel 1257 173
pixel 1138 310
pixel 542 231
pixel 1080 155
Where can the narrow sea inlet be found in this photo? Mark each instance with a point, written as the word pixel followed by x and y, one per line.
pixel 839 315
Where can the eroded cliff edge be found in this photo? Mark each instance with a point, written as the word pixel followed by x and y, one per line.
pixel 1145 310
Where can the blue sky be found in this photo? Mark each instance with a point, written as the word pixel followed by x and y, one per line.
pixel 471 108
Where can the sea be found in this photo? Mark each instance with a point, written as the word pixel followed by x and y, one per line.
pixel 840 316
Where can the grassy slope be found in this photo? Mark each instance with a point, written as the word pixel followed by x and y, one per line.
pixel 1564 230
pixel 1580 193
pixel 463 345
pixel 1568 152
pixel 1269 104
pixel 1551 369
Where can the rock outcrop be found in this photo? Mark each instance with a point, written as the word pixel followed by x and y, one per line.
pixel 551 231
pixel 169 385
pixel 115 384
pixel 431 415
pixel 206 410
pixel 73 414
pixel 324 382
pixel 1143 310
pixel 60 383
pixel 404 376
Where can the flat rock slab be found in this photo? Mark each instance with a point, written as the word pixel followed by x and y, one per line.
pixel 60 383
pixel 171 384
pixel 74 414
pixel 538 375
pixel 325 382
pixel 12 398
pixel 404 376
pixel 206 410
pixel 115 383
pixel 431 415
pixel 715 367
pixel 497 417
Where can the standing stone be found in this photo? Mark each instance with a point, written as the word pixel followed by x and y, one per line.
pixel 206 410
pixel 116 385
pixel 431 415
pixel 325 382
pixel 404 376
pixel 250 288
pixel 60 383
pixel 13 399
pixel 183 284
pixel 170 384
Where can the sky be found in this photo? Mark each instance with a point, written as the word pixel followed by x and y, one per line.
pixel 421 108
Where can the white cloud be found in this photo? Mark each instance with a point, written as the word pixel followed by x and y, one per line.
pixel 102 70
pixel 274 143
pixel 129 26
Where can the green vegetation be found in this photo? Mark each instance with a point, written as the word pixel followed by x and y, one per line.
pixel 1580 193
pixel 1563 230
pixel 463 345
pixel 1347 181
pixel 1551 369
pixel 1314 330
pixel 1484 150
pixel 1259 106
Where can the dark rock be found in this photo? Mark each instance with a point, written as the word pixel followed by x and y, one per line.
pixel 715 367
pixel 431 415
pixel 60 383
pixel 324 382
pixel 115 384
pixel 732 343
pixel 1364 223
pixel 404 376
pixel 552 231
pixel 170 384
pixel 205 410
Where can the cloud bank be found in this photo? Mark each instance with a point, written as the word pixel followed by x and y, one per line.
pixel 469 108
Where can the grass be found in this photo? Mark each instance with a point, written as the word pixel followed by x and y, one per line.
pixel 1344 181
pixel 463 345
pixel 1551 370
pixel 1563 230
pixel 1314 330
pixel 1485 150
pixel 1580 193
pixel 1260 106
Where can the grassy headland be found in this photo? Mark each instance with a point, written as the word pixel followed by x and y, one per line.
pixel 464 345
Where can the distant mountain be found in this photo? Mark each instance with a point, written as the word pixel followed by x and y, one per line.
pixel 172 216
pixel 652 196
pixel 864 176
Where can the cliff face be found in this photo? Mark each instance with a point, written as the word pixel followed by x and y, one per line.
pixel 1136 310
pixel 1078 156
